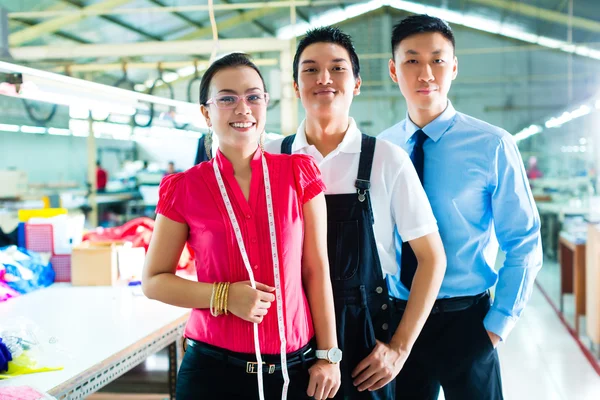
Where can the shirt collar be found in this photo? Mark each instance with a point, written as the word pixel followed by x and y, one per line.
pixel 227 167
pixel 436 128
pixel 350 144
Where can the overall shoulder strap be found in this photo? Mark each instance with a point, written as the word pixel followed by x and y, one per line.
pixel 286 145
pixel 367 150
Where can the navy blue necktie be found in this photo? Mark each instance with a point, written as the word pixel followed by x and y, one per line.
pixel 408 259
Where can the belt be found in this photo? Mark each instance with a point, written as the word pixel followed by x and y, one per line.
pixel 451 304
pixel 301 356
pixel 360 295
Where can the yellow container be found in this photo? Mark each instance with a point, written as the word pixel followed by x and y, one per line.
pixel 26 214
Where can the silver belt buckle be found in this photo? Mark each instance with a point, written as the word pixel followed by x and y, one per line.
pixel 252 368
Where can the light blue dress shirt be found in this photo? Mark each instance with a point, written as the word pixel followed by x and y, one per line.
pixel 476 182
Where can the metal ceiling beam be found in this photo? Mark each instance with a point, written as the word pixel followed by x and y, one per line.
pixel 4 48
pixel 141 32
pixel 230 22
pixel 179 15
pixel 254 21
pixel 190 8
pixel 545 24
pixel 53 25
pixel 501 79
pixel 64 35
pixel 199 25
pixel 182 47
pixel 202 65
pixel 541 13
pixel 476 51
pixel 302 16
pixel 60 34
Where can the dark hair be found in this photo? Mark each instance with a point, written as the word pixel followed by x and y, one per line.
pixel 232 60
pixel 98 163
pixel 327 34
pixel 416 24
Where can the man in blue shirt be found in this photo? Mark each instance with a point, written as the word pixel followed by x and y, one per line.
pixel 475 180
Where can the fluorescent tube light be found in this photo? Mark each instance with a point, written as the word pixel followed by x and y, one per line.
pixel 9 128
pixel 32 129
pixel 59 132
pixel 527 132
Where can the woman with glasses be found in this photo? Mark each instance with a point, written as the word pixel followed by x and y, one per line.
pixel 262 324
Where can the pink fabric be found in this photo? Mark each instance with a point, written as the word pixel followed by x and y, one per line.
pixel 20 393
pixel 6 292
pixel 193 197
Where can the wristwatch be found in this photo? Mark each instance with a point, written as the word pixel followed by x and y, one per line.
pixel 333 355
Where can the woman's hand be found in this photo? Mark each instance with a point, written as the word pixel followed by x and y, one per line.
pixel 250 304
pixel 325 379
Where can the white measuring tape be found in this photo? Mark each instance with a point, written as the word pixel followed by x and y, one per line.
pixel 276 274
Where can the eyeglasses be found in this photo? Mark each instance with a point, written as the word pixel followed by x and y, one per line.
pixel 230 101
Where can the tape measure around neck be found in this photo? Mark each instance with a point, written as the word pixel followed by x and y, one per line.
pixel 276 272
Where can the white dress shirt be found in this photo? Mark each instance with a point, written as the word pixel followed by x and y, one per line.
pixel 397 196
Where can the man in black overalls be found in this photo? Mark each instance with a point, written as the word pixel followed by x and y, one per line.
pixel 372 190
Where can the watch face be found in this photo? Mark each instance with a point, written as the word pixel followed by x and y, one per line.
pixel 335 355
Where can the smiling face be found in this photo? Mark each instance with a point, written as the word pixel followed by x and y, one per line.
pixel 326 83
pixel 236 126
pixel 424 67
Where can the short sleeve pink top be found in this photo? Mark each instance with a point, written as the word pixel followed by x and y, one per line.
pixel 193 197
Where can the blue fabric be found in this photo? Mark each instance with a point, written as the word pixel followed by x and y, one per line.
pixel 21 234
pixel 5 357
pixel 476 182
pixel 31 271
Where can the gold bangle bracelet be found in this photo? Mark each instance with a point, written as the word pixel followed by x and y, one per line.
pixel 218 299
pixel 226 298
pixel 212 300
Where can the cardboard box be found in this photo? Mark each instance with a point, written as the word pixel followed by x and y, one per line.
pixel 97 263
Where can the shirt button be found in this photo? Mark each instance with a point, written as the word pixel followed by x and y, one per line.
pixel 384 306
pixel 384 327
pixel 379 290
pixel 248 216
pixel 253 240
pixel 255 267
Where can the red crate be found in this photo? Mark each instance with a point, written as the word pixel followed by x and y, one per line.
pixel 61 264
pixel 40 238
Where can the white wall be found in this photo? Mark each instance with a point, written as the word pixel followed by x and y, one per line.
pixel 48 158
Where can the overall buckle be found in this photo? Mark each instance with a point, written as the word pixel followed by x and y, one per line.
pixel 364 186
pixel 362 196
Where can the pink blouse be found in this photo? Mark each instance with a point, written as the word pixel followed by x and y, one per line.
pixel 193 197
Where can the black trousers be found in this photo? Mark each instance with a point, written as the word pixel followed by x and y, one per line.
pixel 357 338
pixel 454 351
pixel 202 376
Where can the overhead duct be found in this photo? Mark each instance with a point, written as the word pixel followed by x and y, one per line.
pixel 32 84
